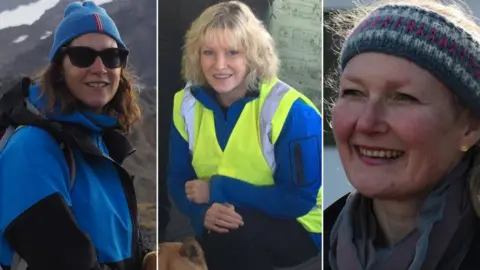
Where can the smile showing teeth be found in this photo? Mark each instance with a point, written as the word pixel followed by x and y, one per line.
pixel 97 84
pixel 222 76
pixel 380 153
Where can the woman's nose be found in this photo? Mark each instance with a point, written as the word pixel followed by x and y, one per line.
pixel 220 62
pixel 371 119
pixel 98 66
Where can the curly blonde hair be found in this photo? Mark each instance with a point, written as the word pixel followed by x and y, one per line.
pixel 343 23
pixel 249 34
pixel 123 105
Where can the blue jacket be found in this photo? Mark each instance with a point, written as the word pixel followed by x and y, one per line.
pixel 303 125
pixel 35 186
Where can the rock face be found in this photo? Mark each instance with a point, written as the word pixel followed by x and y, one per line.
pixel 136 20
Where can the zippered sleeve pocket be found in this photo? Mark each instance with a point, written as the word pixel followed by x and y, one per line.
pixel 305 161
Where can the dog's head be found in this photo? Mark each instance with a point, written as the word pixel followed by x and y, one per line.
pixel 187 255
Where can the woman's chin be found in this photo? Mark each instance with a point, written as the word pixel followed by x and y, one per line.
pixel 373 189
pixel 222 89
pixel 95 105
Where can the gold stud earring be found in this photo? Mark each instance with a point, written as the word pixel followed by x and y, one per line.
pixel 464 148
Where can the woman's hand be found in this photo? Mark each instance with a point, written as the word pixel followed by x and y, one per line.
pixel 198 191
pixel 222 217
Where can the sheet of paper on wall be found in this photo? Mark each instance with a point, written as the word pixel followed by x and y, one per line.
pixel 296 28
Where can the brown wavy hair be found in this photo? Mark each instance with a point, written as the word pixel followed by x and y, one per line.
pixel 123 106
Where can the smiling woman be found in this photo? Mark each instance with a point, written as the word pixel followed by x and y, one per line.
pixel 406 121
pixel 395 97
pixel 95 78
pixel 245 147
pixel 67 202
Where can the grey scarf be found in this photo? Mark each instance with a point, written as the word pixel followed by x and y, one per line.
pixel 440 240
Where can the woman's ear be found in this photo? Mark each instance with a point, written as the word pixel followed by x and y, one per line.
pixel 471 136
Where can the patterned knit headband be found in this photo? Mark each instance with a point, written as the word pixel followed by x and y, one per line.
pixel 425 38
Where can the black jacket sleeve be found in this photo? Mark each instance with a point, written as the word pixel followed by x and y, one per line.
pixel 47 236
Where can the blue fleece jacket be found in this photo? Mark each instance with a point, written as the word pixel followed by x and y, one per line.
pixel 287 199
pixel 33 166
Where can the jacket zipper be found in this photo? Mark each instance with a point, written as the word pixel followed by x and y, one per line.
pixel 126 180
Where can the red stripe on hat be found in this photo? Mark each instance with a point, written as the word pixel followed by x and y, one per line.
pixel 98 21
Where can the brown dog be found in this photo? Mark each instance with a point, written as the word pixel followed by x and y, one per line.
pixel 186 255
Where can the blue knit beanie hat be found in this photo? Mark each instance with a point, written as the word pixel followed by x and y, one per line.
pixel 82 18
pixel 426 38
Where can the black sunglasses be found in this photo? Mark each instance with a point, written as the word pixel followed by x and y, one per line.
pixel 84 57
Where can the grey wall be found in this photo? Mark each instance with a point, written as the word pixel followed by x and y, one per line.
pixel 296 28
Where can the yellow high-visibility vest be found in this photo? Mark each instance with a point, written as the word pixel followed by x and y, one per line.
pixel 249 153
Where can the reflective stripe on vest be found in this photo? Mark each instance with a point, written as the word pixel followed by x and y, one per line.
pixel 266 115
pixel 268 111
pixel 188 113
